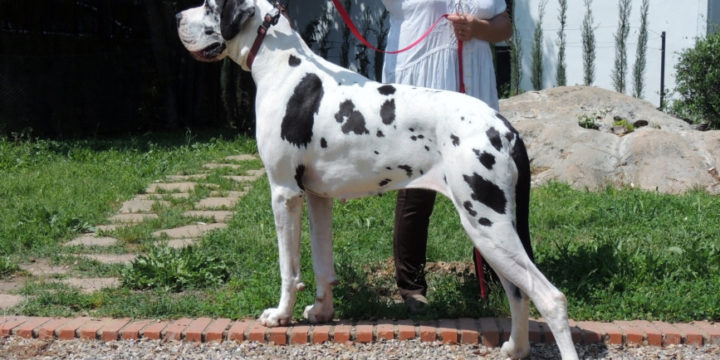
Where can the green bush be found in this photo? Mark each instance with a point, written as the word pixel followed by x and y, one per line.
pixel 175 270
pixel 698 83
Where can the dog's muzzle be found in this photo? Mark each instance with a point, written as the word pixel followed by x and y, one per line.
pixel 210 53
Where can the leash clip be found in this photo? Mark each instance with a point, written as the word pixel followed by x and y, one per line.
pixel 271 18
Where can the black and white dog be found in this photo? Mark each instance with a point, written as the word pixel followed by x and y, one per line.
pixel 325 132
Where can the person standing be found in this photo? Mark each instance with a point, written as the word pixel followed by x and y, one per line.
pixel 434 64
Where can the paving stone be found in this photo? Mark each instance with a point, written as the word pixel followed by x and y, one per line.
pixel 90 285
pixel 92 240
pixel 42 267
pixel 241 157
pixel 132 218
pixel 140 206
pixel 187 177
pixel 216 203
pixel 217 215
pixel 181 243
pixel 189 231
pixel 11 285
pixel 220 166
pixel 257 173
pixel 7 300
pixel 182 187
pixel 242 178
pixel 111 259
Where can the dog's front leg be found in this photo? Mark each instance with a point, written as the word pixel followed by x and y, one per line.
pixel 287 208
pixel 320 213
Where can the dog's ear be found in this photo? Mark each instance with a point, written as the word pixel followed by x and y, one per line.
pixel 233 13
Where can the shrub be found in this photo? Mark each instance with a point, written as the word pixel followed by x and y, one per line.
pixel 176 270
pixel 698 82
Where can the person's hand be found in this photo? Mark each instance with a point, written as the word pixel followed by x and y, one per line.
pixel 465 26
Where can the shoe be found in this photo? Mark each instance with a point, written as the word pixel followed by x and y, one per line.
pixel 416 303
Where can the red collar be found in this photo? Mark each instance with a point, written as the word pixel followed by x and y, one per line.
pixel 270 19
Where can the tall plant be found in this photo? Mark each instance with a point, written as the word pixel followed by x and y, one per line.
pixel 639 67
pixel 560 75
pixel 515 56
pixel 588 42
pixel 537 51
pixel 620 69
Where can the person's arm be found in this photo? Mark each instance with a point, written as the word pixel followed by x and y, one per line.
pixel 468 27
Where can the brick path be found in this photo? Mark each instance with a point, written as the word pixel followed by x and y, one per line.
pixel 143 207
pixel 486 331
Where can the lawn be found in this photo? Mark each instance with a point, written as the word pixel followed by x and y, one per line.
pixel 617 254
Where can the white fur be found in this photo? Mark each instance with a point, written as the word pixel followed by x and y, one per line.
pixel 356 165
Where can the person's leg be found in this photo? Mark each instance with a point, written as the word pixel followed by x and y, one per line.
pixel 412 216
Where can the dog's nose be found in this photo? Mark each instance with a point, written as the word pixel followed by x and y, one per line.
pixel 178 18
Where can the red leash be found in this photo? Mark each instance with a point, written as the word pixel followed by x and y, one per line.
pixel 348 21
pixel 346 18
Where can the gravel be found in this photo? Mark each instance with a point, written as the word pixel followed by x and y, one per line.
pixel 20 348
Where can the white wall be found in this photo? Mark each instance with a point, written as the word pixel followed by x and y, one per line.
pixel 683 22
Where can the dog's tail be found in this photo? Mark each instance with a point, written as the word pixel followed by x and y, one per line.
pixel 522 195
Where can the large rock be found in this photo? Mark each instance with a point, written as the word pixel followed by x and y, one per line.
pixel 664 154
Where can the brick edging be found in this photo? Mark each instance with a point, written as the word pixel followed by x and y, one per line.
pixel 486 331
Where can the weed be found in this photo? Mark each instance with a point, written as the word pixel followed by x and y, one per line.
pixel 176 270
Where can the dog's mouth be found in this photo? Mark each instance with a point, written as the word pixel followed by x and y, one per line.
pixel 210 53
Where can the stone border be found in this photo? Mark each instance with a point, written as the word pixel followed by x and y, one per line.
pixel 486 331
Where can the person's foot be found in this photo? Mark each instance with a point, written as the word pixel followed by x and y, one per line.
pixel 416 303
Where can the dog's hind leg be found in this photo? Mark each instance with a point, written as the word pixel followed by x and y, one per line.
pixel 502 249
pixel 518 346
pixel 287 208
pixel 320 214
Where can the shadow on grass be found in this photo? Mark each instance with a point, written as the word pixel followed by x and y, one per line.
pixel 450 295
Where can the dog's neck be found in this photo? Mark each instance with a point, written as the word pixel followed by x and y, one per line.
pixel 279 38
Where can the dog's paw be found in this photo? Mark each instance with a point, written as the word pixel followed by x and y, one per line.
pixel 316 313
pixel 514 351
pixel 273 317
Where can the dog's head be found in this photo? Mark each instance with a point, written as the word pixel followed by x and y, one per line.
pixel 206 30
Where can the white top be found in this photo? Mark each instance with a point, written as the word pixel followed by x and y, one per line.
pixel 433 63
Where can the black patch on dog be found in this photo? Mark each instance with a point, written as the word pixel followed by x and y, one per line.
pixel 299 172
pixel 232 17
pixel 414 138
pixel 389 168
pixel 386 90
pixel 387 112
pixel 455 140
pixel 485 221
pixel 294 60
pixel 486 192
pixel 353 120
pixel 494 137
pixel 407 168
pixel 487 159
pixel 323 143
pixel 384 182
pixel 300 111
pixel 510 135
pixel 427 148
pixel 468 206
pixel 380 134
pixel 376 152
pixel 412 129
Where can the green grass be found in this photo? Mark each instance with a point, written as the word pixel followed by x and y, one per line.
pixel 617 254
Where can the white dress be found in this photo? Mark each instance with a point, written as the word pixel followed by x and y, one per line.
pixel 433 63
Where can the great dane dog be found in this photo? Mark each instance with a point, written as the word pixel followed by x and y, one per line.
pixel 325 132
